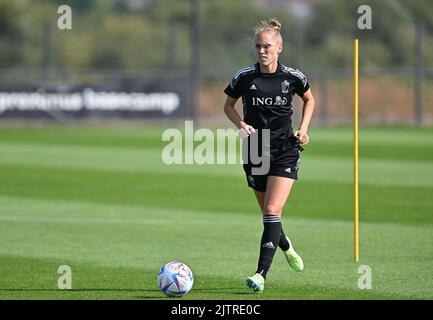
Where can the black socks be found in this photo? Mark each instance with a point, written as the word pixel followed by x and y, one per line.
pixel 271 239
pixel 284 244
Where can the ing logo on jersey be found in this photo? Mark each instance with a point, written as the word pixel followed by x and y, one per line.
pixel 278 101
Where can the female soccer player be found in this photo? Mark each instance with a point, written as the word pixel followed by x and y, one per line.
pixel 267 89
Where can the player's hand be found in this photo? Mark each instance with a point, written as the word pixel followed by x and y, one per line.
pixel 302 137
pixel 246 130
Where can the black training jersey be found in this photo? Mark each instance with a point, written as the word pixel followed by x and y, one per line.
pixel 267 100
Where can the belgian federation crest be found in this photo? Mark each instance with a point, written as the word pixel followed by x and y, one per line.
pixel 285 86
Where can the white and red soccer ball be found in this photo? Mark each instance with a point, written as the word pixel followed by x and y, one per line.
pixel 175 279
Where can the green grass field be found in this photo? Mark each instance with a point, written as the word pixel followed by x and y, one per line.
pixel 101 201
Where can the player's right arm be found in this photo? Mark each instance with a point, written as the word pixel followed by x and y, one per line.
pixel 233 115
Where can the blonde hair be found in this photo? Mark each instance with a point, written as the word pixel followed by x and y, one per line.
pixel 269 25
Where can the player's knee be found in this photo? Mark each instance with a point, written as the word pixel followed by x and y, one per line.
pixel 272 209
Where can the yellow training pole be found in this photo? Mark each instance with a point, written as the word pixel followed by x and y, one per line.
pixel 355 102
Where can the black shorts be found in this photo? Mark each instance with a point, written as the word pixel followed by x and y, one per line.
pixel 283 164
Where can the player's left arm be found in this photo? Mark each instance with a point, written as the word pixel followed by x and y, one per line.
pixel 307 114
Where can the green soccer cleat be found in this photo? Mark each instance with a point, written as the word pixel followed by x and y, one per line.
pixel 294 259
pixel 256 282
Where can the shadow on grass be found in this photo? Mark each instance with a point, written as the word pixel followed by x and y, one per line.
pixel 234 291
pixel 77 290
pixel 152 294
pixel 160 296
pixel 225 291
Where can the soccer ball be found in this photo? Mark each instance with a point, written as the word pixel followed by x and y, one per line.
pixel 175 279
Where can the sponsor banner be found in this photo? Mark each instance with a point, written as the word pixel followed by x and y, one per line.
pixel 90 101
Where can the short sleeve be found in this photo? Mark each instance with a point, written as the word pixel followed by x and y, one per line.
pixel 233 89
pixel 301 83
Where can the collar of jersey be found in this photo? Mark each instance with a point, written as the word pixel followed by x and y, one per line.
pixel 269 74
